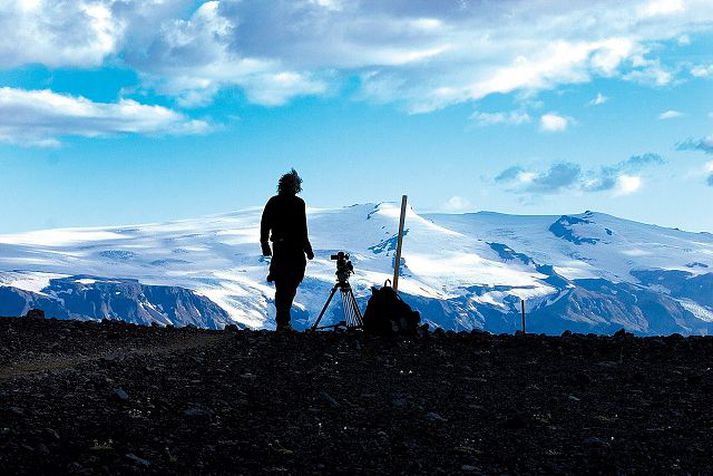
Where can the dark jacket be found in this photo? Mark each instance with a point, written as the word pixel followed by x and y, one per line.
pixel 284 221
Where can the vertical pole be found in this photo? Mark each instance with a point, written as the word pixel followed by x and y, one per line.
pixel 522 306
pixel 397 258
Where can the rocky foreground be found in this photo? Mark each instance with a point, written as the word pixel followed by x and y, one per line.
pixel 81 397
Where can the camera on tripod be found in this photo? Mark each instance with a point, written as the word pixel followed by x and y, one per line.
pixel 344 266
pixel 350 308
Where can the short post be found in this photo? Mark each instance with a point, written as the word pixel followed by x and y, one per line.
pixel 397 259
pixel 522 307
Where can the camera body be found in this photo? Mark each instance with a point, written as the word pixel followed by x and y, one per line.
pixel 344 266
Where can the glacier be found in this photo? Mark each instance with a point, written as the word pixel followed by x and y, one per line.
pixel 586 272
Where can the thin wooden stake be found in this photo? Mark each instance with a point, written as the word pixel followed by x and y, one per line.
pixel 397 259
pixel 522 306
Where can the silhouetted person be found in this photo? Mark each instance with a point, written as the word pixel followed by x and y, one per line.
pixel 284 222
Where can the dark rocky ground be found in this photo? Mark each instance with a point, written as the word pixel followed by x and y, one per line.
pixel 87 398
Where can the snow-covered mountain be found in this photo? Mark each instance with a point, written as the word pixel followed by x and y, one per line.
pixel 586 272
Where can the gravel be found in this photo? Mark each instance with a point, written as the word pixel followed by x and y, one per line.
pixel 108 398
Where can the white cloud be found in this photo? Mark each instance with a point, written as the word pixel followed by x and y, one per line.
pixel 558 177
pixel 599 100
pixel 423 55
pixel 275 89
pixel 41 117
pixel 492 118
pixel 193 59
pixel 649 72
pixel 661 7
pixel 552 122
pixel 627 184
pixel 621 178
pixel 708 167
pixel 670 114
pixel 555 63
pixel 526 177
pixel 68 33
pixel 702 71
pixel 457 204
pixel 609 54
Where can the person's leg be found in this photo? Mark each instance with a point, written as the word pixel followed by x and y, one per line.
pixel 282 303
pixel 285 291
pixel 287 268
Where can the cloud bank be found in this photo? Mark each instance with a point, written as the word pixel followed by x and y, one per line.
pixel 41 117
pixel 622 178
pixel 425 55
pixel 703 145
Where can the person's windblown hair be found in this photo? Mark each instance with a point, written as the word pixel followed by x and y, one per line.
pixel 290 183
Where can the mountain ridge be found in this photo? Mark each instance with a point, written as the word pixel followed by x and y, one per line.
pixel 463 271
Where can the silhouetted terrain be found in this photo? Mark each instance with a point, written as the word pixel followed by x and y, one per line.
pixel 86 397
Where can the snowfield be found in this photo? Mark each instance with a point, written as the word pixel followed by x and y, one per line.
pixel 588 272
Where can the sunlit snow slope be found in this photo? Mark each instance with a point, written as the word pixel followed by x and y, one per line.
pixel 586 272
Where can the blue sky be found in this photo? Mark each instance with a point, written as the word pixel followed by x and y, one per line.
pixel 118 112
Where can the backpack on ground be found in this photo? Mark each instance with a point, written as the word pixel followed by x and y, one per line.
pixel 388 315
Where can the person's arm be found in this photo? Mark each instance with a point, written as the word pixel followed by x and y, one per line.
pixel 307 246
pixel 265 225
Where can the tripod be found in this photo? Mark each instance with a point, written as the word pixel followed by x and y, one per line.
pixel 352 314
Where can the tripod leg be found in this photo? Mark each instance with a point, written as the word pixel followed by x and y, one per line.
pixel 326 305
pixel 358 322
pixel 352 314
pixel 347 309
pixel 358 319
pixel 355 321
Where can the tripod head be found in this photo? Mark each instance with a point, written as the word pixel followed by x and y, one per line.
pixel 344 267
